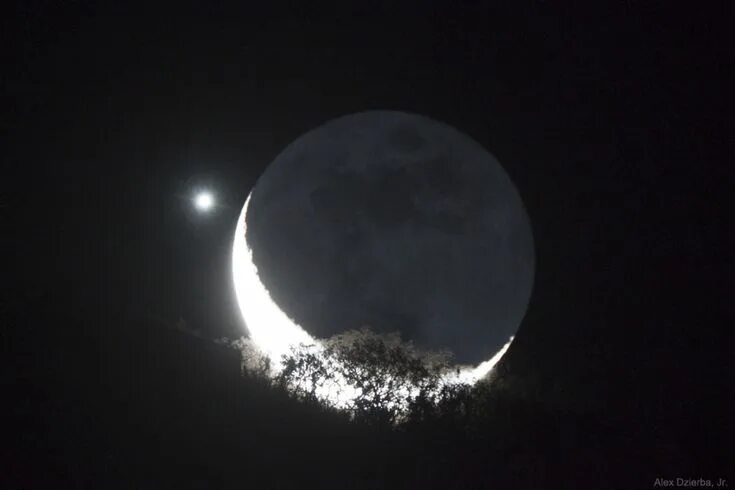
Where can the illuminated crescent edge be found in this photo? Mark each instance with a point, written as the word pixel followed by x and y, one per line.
pixel 275 334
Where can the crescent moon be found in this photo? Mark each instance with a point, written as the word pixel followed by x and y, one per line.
pixel 275 333
pixel 270 328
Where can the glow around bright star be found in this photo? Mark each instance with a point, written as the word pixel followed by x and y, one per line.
pixel 276 334
pixel 204 201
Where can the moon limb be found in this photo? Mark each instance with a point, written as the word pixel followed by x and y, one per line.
pixel 275 333
pixel 270 328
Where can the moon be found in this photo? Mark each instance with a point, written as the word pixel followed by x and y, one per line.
pixel 391 220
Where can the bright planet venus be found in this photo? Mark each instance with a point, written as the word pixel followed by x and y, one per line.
pixel 389 220
pixel 204 201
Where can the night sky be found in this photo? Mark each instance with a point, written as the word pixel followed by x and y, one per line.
pixel 608 120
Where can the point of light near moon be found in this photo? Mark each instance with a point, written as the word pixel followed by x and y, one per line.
pixel 276 334
pixel 204 201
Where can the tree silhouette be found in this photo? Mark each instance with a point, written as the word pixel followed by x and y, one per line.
pixel 377 378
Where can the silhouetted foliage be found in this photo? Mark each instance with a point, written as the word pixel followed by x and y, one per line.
pixel 376 378
pixel 162 409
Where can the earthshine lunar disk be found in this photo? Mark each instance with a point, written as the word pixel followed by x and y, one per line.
pixel 391 220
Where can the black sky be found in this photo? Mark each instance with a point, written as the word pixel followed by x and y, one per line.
pixel 609 121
